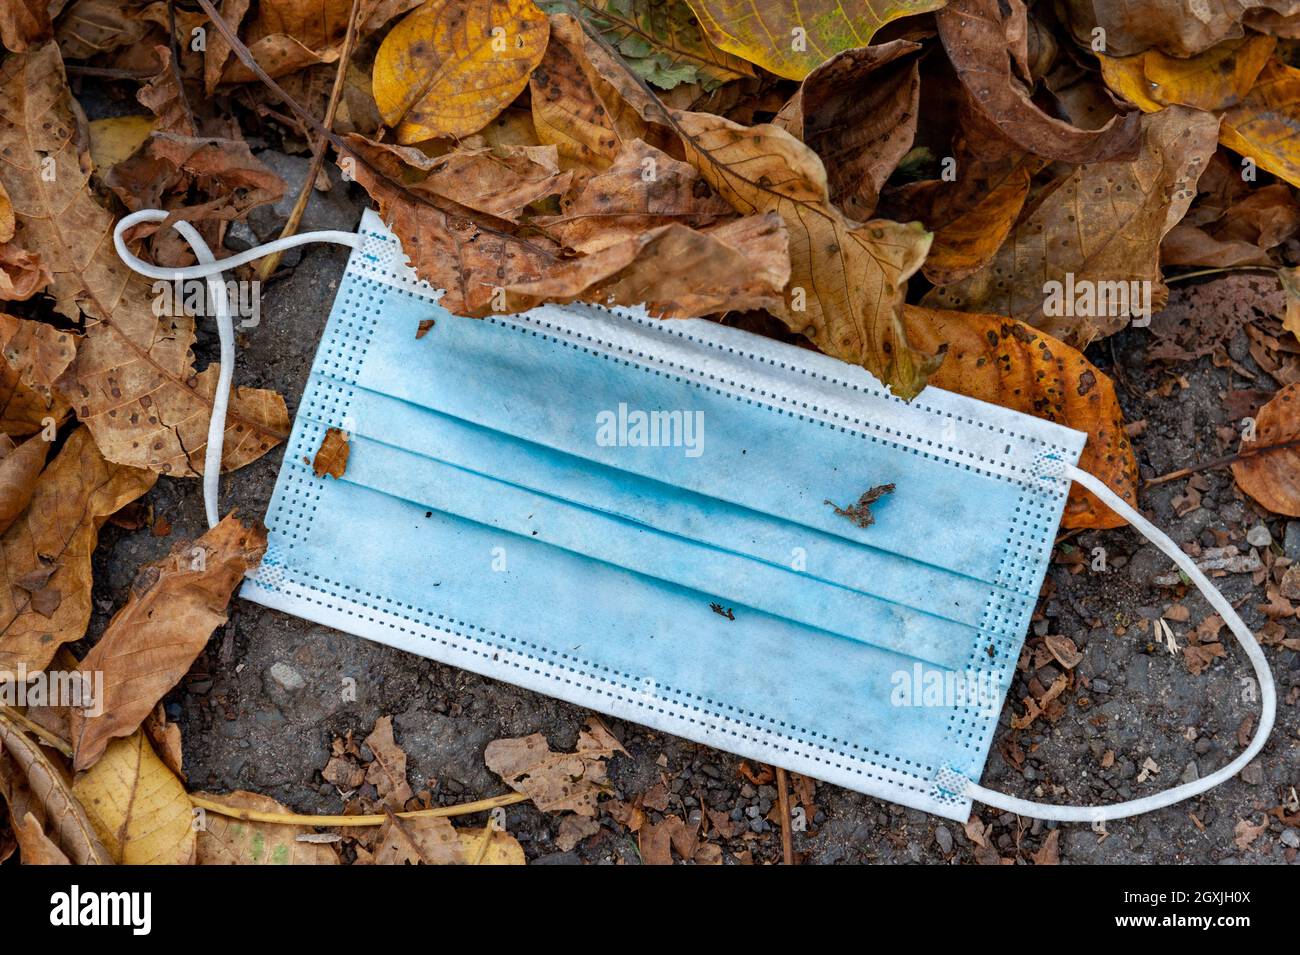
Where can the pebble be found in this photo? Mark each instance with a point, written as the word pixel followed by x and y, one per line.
pixel 1253 774
pixel 1291 838
pixel 286 677
pixel 1203 746
pixel 1100 686
pixel 1190 773
pixel 1291 540
pixel 944 838
pixel 1258 536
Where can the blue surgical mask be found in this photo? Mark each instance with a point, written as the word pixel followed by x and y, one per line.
pixel 659 520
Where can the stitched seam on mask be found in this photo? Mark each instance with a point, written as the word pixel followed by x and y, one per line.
pixel 422 290
pixel 565 661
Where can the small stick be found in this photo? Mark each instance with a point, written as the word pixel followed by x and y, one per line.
pixel 36 729
pixel 783 807
pixel 176 67
pixel 1222 462
pixel 272 261
pixel 300 819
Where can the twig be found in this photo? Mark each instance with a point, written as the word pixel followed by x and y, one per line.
pixel 108 73
pixel 1223 461
pixel 1200 273
pixel 176 66
pixel 783 807
pixel 272 261
pixel 36 729
pixel 299 819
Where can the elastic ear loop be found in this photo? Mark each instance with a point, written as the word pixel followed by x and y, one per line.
pixel 1267 693
pixel 209 267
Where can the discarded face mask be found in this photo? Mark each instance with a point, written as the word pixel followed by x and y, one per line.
pixel 672 522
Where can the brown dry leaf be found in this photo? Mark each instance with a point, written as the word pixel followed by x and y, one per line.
pixel 556 781
pixel 791 40
pixel 1198 656
pixel 224 170
pixel 388 771
pixel 22 274
pixel 225 840
pixel 20 467
pixel 656 840
pixel 1063 650
pixel 165 738
pixel 573 830
pixel 1176 27
pixel 174 606
pixel 619 204
pixel 1094 232
pixel 1008 363
pixel 1262 127
pixel 858 113
pixel 23 24
pixel 432 840
pixel 133 381
pixel 986 42
pixel 1050 852
pixel 1214 80
pixel 332 456
pixel 87 28
pixel 1244 834
pixel 31 783
pixel 675 271
pixel 446 245
pixel 75 494
pixel 1273 477
pixel 35 355
pixel 34 846
pixel 450 66
pixel 138 807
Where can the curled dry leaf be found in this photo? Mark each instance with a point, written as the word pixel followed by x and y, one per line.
pixel 792 39
pixel 34 846
pixel 224 840
pixel 138 807
pixel 1176 27
pixel 1272 477
pixel 332 455
pixel 450 66
pixel 20 467
pixel 75 494
pixel 986 42
pixel 33 785
pixel 1094 234
pixel 858 112
pixel 173 607
pixel 1008 363
pixel 133 381
pixel 1214 80
pixel 23 24
pixel 662 41
pixel 1262 126
pixel 556 781
pixel 34 356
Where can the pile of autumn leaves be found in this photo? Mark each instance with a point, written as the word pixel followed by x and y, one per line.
pixel 791 165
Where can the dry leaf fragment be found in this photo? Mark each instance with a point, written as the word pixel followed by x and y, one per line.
pixel 1262 126
pixel 20 468
pixel 1063 650
pixel 1176 27
pixel 656 841
pixel 225 840
pixel 791 40
pixel 434 840
pixel 1050 851
pixel 137 806
pixel 34 846
pixel 74 495
pixel 35 355
pixel 387 773
pixel 332 455
pixel 174 606
pixel 986 42
pixel 1272 477
pixel 31 783
pixel 1083 259
pixel 450 66
pixel 556 781
pixel 23 24
pixel 1214 80
pixel 1244 834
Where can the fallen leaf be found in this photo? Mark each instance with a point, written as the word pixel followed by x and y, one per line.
pixel 332 456
pixel 986 42
pixel 1050 851
pixel 74 495
pixel 662 41
pixel 225 840
pixel 1091 234
pixel 132 381
pixel 657 840
pixel 432 840
pixel 32 784
pixel 1176 27
pixel 1262 126
pixel 449 67
pixel 556 781
pixel 858 112
pixel 23 24
pixel 1008 363
pixel 20 467
pixel 22 274
pixel 387 773
pixel 1272 477
pixel 1214 80
pixel 573 830
pixel 174 606
pixel 1245 834
pixel 1063 650
pixel 138 808
pixel 34 846
pixel 791 40
pixel 34 356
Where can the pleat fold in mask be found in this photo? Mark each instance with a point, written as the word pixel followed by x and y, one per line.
pixel 656 520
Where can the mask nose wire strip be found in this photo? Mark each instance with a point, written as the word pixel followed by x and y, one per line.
pixel 1267 692
pixel 210 267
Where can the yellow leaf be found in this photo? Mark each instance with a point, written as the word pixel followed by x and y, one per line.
pixel 1008 363
pixel 451 66
pixel 137 806
pixel 790 39
pixel 1214 80
pixel 223 840
pixel 112 140
pixel 1263 126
